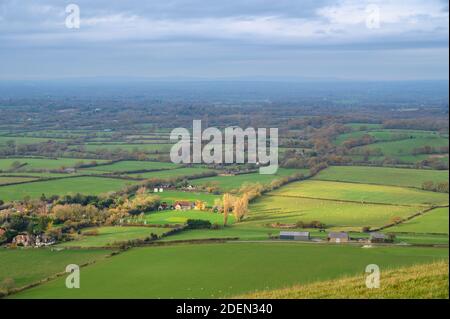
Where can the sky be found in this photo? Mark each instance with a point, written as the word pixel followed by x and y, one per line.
pixel 277 39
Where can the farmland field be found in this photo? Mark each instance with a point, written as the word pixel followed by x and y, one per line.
pixel 173 173
pixel 129 166
pixel 180 217
pixel 388 135
pixel 19 140
pixel 435 221
pixel 109 236
pixel 83 185
pixel 151 148
pixel 10 180
pixel 26 266
pixel 335 214
pixel 44 163
pixel 362 193
pixel 382 175
pixel 224 270
pixel 172 196
pixel 405 147
pixel 230 183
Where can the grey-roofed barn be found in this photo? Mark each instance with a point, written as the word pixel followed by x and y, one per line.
pixel 290 235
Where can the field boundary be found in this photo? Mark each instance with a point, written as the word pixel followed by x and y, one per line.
pixel 412 217
pixel 351 201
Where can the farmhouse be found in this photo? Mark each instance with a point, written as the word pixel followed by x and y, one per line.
pixel 44 240
pixel 379 238
pixel 286 235
pixel 338 237
pixel 183 205
pixel 24 240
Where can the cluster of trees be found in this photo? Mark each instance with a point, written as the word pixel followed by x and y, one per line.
pixel 13 224
pixel 441 187
pixel 238 206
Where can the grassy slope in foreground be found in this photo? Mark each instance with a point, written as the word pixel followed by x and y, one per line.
pixel 420 281
pixel 382 175
pixel 221 270
pixel 26 266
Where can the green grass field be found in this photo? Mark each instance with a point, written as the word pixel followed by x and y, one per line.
pixel 147 148
pixel 9 180
pixel 405 147
pixel 223 270
pixel 435 222
pixel 173 196
pixel 362 193
pixel 336 215
pixel 233 183
pixel 428 281
pixel 26 266
pixel 25 140
pixel 129 166
pixel 180 217
pixel 382 175
pixel 44 163
pixel 110 236
pixel 387 135
pixel 44 175
pixel 173 173
pixel 83 185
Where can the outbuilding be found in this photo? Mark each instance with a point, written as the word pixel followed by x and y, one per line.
pixel 380 238
pixel 290 235
pixel 338 237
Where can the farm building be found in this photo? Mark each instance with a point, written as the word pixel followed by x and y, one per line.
pixel 338 237
pixel 183 205
pixel 43 240
pixel 286 235
pixel 379 238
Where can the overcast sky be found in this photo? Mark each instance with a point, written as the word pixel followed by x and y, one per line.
pixel 232 38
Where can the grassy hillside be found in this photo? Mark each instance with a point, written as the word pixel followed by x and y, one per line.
pixel 416 282
pixel 26 266
pixel 435 222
